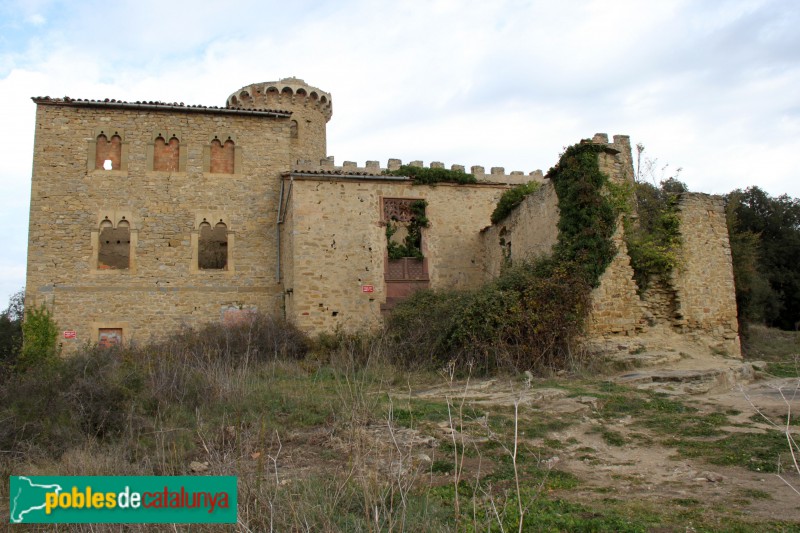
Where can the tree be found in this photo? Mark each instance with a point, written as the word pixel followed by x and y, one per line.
pixel 765 248
pixel 11 329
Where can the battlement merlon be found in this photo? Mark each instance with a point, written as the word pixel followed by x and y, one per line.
pixel 290 93
pixel 622 168
pixel 497 175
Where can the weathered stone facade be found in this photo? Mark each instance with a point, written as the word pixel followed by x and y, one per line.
pixel 146 217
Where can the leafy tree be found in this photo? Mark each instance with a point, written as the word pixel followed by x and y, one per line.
pixel 765 246
pixel 11 329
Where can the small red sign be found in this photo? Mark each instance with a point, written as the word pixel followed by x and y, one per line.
pixel 70 334
pixel 367 288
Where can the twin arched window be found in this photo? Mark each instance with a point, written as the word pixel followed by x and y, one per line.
pixel 212 250
pixel 108 152
pixel 166 155
pixel 114 252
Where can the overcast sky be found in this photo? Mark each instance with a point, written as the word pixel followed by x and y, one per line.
pixel 711 87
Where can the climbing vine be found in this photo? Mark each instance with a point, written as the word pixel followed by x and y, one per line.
pixel 412 243
pixel 587 212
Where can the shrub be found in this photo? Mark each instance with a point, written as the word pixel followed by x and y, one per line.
pixel 39 334
pixel 432 176
pixel 528 318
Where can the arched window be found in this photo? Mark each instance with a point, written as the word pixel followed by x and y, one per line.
pixel 166 156
pixel 108 152
pixel 115 246
pixel 212 246
pixel 222 157
pixel 293 129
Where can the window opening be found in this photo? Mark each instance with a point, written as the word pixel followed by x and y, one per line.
pixel 115 246
pixel 166 155
pixel 108 151
pixel 222 157
pixel 213 246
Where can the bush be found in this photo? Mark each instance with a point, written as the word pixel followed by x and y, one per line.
pixel 528 318
pixel 432 176
pixel 39 336
pixel 105 394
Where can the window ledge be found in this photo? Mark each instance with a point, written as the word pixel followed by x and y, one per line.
pixel 109 173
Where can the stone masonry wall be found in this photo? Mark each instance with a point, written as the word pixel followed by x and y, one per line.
pixel 530 231
pixel 704 278
pixel 163 289
pixel 339 245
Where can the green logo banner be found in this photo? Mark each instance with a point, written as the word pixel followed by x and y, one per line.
pixel 122 499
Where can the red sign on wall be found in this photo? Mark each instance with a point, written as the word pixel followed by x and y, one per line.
pixel 70 334
pixel 367 288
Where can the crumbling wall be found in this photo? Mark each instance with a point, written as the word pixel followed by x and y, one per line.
pixel 529 231
pixel 706 299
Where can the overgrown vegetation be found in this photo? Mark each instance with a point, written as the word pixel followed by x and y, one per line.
pixel 765 247
pixel 587 215
pixel 653 238
pixel 412 242
pixel 432 176
pixel 512 198
pixel 11 332
pixel 39 337
pixel 529 317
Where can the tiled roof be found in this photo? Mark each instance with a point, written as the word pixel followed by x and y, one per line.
pixel 175 106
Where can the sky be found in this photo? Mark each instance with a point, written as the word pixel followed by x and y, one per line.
pixel 710 87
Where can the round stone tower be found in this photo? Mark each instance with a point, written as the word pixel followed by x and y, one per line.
pixel 311 110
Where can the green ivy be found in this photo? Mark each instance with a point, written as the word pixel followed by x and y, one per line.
pixel 512 198
pixel 587 213
pixel 412 244
pixel 431 176
pixel 653 239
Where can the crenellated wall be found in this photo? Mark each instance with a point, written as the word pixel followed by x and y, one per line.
pixel 373 168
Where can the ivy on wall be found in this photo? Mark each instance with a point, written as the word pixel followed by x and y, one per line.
pixel 412 243
pixel 587 212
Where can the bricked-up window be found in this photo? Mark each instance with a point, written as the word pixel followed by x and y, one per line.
pixel 213 246
pixel 115 246
pixel 109 337
pixel 222 156
pixel 293 129
pixel 166 155
pixel 108 150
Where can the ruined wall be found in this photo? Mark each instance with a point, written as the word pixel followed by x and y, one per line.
pixel 163 289
pixel 530 231
pixel 704 279
pixel 616 308
pixel 338 240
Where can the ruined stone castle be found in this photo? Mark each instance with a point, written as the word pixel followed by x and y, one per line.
pixel 148 216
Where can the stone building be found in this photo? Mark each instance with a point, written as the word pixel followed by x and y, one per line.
pixel 148 216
